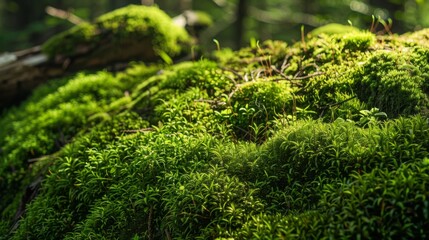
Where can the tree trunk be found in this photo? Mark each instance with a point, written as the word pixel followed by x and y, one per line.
pixel 185 5
pixel 241 14
pixel 147 2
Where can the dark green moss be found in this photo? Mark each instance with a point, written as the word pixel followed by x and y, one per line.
pixel 226 148
pixel 66 43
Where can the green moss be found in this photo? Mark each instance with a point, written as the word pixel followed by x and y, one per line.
pixel 204 19
pixel 66 43
pixel 398 198
pixel 224 148
pixel 418 38
pixel 132 23
pixel 387 81
pixel 360 41
pixel 255 104
pixel 332 29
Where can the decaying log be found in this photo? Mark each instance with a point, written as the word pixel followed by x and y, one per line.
pixel 22 71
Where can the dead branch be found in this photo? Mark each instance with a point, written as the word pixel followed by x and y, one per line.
pixel 139 130
pixel 66 15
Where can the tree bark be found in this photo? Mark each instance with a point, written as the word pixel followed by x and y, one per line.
pixel 185 5
pixel 147 2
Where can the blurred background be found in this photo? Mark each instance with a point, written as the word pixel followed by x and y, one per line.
pixel 25 23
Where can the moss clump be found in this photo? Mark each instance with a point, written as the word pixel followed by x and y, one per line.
pixel 360 41
pixel 66 43
pixel 418 38
pixel 255 104
pixel 395 197
pixel 389 82
pixel 333 29
pixel 132 23
pixel 326 138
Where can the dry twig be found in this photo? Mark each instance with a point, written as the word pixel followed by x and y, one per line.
pixel 66 15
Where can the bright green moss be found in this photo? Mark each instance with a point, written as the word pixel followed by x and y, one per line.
pixel 132 23
pixel 219 149
pixel 332 29
pixel 262 55
pixel 204 19
pixel 141 22
pixel 416 38
pixel 254 104
pixel 66 43
pixel 359 41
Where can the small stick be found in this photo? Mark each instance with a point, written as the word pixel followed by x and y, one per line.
pixel 66 15
pixel 139 130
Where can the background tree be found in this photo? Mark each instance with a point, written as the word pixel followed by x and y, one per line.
pixel 25 23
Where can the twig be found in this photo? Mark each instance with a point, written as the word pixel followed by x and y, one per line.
pixel 167 234
pixel 45 157
pixel 233 72
pixel 339 103
pixel 308 76
pixel 66 15
pixel 287 78
pixel 335 104
pixel 213 102
pixel 285 63
pixel 138 130
pixel 149 224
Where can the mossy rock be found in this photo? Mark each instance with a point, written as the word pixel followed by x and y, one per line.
pixel 146 31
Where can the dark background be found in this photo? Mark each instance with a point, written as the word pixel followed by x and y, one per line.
pixel 25 23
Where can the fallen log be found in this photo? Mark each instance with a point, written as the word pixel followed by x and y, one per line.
pixel 130 33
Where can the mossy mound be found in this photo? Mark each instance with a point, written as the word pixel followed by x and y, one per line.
pixel 125 26
pixel 327 138
pixel 333 29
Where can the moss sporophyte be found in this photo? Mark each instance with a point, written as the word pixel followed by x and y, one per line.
pixel 327 139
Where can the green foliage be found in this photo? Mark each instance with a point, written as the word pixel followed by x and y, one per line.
pixel 373 116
